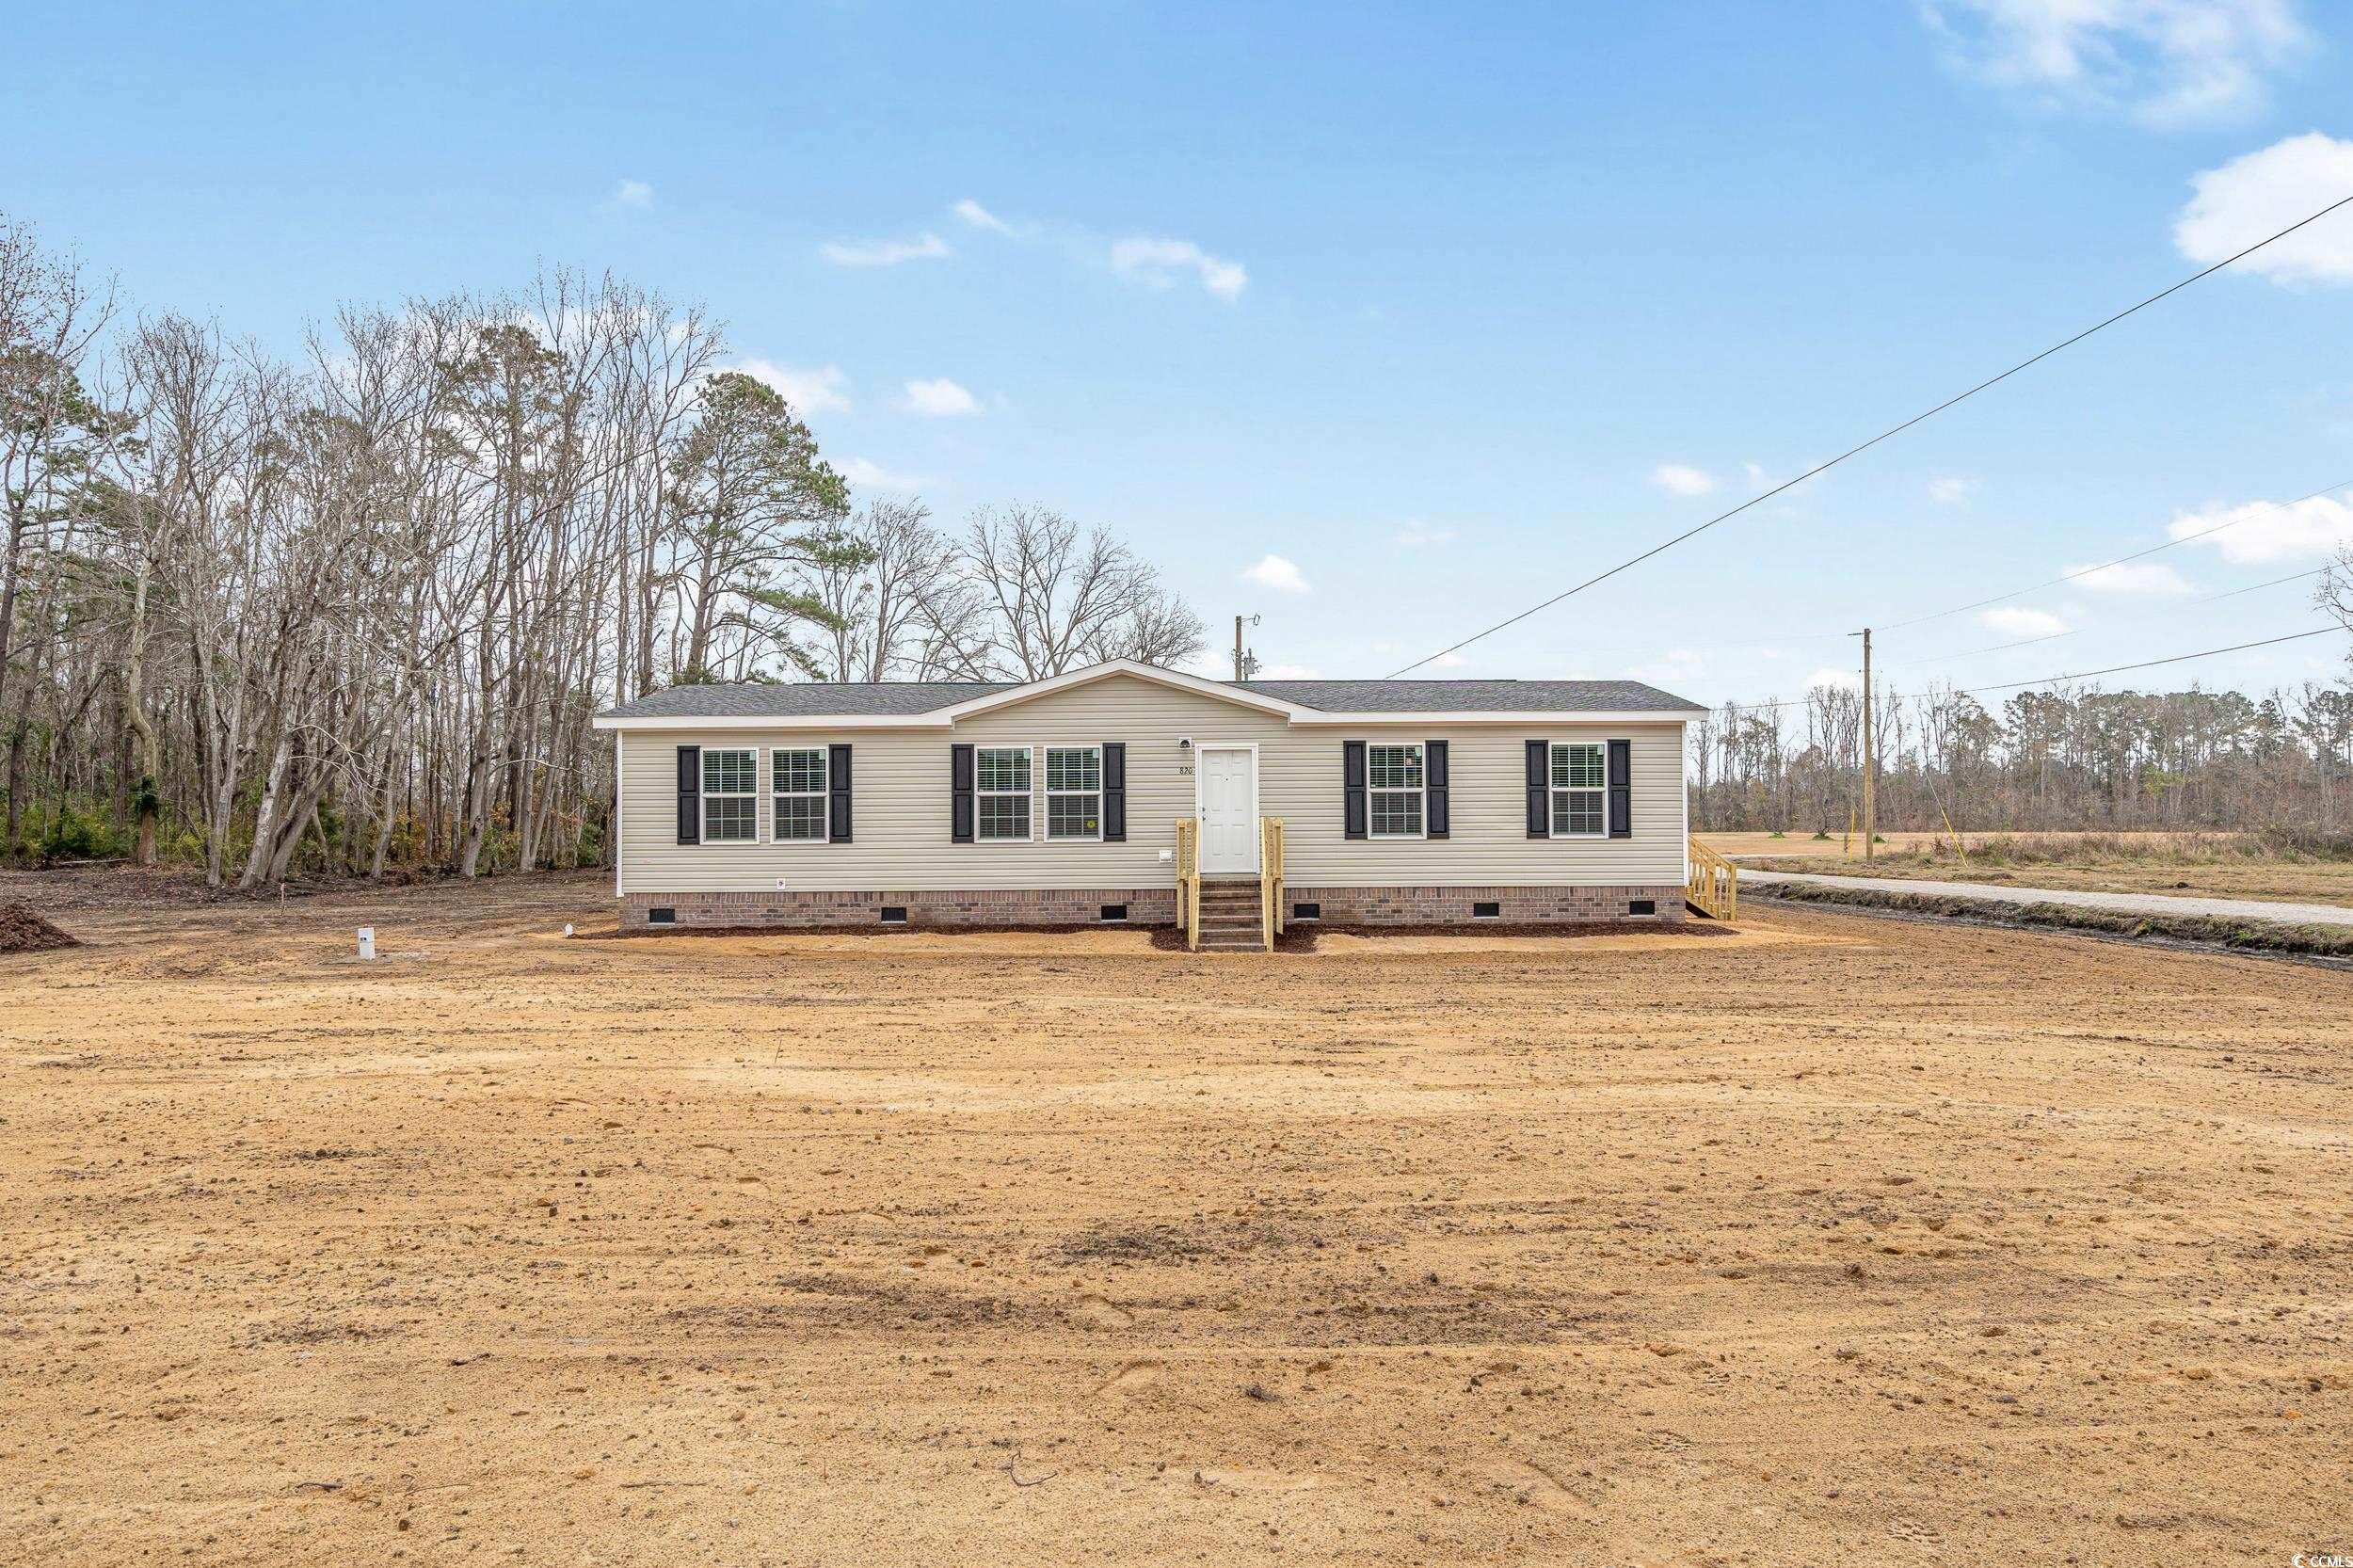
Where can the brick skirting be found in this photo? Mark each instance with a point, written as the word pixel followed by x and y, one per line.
pixel 994 906
pixel 1146 906
pixel 1453 906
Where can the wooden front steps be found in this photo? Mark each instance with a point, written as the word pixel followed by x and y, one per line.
pixel 1232 915
pixel 1711 883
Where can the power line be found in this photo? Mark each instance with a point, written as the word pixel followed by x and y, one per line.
pixel 2077 631
pixel 1894 430
pixel 2120 560
pixel 2151 663
pixel 2076 674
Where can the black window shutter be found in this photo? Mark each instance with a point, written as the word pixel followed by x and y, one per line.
pixel 1114 791
pixel 838 794
pixel 1622 789
pixel 960 794
pixel 1435 815
pixel 1353 789
pixel 690 794
pixel 1539 789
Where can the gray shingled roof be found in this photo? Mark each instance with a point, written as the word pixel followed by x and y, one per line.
pixel 897 698
pixel 1472 696
pixel 767 700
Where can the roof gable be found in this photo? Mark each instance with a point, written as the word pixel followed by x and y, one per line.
pixel 1010 696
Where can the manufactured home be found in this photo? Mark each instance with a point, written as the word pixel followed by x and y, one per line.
pixel 1128 793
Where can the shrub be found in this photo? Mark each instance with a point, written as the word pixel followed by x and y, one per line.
pixel 73 836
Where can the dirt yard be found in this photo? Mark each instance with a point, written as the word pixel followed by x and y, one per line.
pixel 1838 1241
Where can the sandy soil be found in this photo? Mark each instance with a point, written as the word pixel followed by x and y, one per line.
pixel 1839 1242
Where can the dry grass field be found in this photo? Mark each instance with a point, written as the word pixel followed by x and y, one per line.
pixel 2192 864
pixel 1836 1240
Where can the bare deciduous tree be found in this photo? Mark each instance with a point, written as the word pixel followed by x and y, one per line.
pixel 354 613
pixel 1038 594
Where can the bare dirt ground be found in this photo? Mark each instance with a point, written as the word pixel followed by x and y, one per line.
pixel 1837 1241
pixel 2148 864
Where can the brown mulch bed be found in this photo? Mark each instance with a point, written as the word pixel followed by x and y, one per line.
pixel 909 928
pixel 1298 937
pixel 1694 926
pixel 22 931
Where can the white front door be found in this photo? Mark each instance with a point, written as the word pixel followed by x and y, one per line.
pixel 1229 809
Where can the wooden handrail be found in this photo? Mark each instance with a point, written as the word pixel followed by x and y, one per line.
pixel 1189 880
pixel 1712 883
pixel 1270 879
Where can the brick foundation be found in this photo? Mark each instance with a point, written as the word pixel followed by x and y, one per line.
pixel 1146 906
pixel 999 907
pixel 1452 905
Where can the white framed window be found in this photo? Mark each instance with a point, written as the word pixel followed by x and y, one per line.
pixel 1393 775
pixel 1073 793
pixel 796 781
pixel 730 796
pixel 1581 809
pixel 1002 792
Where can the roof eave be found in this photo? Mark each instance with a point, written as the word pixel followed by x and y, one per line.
pixel 1498 716
pixel 772 721
pixel 1302 719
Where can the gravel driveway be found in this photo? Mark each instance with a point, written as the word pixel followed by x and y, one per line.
pixel 2131 903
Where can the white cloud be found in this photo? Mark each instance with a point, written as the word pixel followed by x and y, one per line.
pixel 1160 262
pixel 2163 62
pixel 1848 680
pixel 633 193
pixel 1273 571
pixel 2263 192
pixel 939 399
pixel 2012 621
pixel 1677 665
pixel 1449 662
pixel 980 217
pixel 1677 479
pixel 924 246
pixel 2261 534
pixel 865 474
pixel 1950 490
pixel 810 391
pixel 1757 477
pixel 2133 576
pixel 1415 534
pixel 1289 672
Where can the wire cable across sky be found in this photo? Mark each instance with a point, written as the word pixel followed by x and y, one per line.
pixel 2057 680
pixel 2079 631
pixel 1893 430
pixel 2120 560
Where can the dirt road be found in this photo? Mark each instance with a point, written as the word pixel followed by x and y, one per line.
pixel 2130 904
pixel 1835 1242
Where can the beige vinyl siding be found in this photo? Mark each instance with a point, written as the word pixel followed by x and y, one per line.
pixel 899 804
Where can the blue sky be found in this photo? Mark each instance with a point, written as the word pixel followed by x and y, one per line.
pixel 1443 307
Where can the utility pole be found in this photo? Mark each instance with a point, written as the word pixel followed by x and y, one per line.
pixel 1241 656
pixel 1870 756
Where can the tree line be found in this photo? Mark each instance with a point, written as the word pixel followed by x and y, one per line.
pixel 350 612
pixel 2041 759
